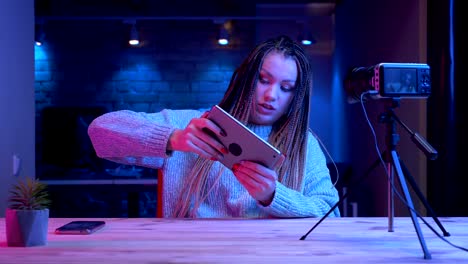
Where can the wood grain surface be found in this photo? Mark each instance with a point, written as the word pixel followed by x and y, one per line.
pixel 161 240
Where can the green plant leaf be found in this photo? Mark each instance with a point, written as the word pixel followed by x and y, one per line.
pixel 29 194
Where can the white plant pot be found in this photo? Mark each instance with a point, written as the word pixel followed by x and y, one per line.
pixel 26 228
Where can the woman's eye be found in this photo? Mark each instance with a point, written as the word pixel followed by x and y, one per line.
pixel 263 81
pixel 287 88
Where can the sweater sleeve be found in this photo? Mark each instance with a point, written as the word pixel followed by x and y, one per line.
pixel 136 138
pixel 318 195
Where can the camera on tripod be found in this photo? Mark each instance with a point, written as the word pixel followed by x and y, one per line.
pixel 389 80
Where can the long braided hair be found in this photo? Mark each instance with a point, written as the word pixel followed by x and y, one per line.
pixel 289 133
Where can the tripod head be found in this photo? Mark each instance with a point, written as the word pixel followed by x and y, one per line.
pixel 390 117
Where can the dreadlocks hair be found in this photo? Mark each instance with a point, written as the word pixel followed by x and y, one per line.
pixel 288 135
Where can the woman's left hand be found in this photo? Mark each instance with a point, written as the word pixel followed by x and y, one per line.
pixel 259 180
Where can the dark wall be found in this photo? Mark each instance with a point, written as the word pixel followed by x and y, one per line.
pixel 447 126
pixel 16 94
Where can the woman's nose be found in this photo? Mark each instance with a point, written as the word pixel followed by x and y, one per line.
pixel 271 94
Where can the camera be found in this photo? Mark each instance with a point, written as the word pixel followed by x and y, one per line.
pixel 389 80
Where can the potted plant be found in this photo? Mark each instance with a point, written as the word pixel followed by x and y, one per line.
pixel 27 214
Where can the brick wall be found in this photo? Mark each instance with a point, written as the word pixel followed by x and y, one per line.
pixel 176 60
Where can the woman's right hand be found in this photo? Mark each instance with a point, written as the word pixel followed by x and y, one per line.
pixel 198 137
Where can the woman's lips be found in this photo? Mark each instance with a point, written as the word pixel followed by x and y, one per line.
pixel 265 109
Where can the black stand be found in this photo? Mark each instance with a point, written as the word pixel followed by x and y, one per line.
pixel 393 164
pixel 409 202
pixel 392 139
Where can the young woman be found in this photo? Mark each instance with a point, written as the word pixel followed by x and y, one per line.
pixel 270 94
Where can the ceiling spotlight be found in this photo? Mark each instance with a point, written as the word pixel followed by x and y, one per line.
pixel 307 39
pixel 134 39
pixel 223 38
pixel 39 35
pixel 223 34
pixel 39 41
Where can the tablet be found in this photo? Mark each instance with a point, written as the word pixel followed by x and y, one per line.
pixel 241 142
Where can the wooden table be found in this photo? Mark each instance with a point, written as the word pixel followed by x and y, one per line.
pixel 158 240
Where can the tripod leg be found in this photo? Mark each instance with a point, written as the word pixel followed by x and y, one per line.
pixel 396 163
pixel 390 205
pixel 342 198
pixel 325 216
pixel 421 197
pixel 388 166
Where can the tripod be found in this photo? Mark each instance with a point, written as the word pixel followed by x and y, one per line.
pixel 393 164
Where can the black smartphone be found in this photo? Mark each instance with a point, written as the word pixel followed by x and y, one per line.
pixel 80 227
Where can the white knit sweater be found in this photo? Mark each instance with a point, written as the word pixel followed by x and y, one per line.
pixel 141 138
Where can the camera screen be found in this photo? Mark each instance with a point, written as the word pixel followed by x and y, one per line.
pixel 400 81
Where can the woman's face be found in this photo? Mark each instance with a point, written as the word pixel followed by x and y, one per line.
pixel 274 90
